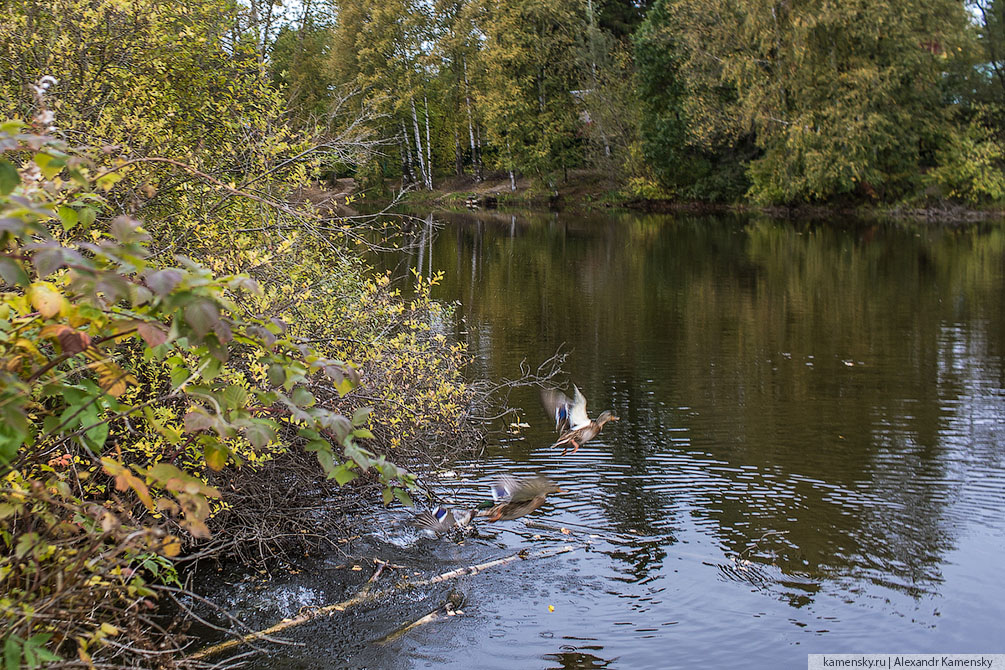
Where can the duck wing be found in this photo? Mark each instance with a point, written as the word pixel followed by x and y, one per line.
pixel 503 488
pixel 577 410
pixel 557 405
pixel 437 520
pixel 530 489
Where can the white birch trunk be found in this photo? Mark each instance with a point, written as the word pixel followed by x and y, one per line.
pixel 429 151
pixel 418 144
pixel 478 143
pixel 471 126
pixel 408 153
pixel 512 177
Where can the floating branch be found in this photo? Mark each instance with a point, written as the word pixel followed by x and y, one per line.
pixel 475 569
pixel 451 607
pixel 366 593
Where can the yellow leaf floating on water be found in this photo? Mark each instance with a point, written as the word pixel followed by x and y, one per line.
pixel 551 608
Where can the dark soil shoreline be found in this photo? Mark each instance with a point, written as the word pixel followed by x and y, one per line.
pixel 586 190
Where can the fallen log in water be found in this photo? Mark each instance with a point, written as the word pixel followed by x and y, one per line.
pixel 451 607
pixel 366 593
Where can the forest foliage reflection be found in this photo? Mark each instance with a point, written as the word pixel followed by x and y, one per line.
pixel 805 393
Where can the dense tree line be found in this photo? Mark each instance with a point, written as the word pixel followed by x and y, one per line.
pixel 725 100
pixel 194 358
pixel 182 330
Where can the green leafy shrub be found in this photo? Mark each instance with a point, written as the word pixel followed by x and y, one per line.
pixel 971 167
pixel 123 382
pixel 159 382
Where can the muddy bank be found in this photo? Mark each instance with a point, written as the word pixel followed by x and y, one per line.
pixel 586 190
pixel 582 189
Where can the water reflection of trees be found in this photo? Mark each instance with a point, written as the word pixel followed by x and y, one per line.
pixel 832 361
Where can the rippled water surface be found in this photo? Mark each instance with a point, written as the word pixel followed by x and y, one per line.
pixel 809 457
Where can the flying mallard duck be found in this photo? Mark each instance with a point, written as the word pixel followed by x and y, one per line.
pixel 571 420
pixel 513 498
pixel 440 520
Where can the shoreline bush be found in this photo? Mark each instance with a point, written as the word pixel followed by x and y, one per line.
pixel 161 381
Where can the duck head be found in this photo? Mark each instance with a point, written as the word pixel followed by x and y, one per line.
pixel 606 416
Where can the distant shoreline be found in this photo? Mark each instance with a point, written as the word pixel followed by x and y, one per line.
pixel 591 191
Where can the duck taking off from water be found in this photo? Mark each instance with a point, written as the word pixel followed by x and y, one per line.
pixel 513 498
pixel 440 520
pixel 571 420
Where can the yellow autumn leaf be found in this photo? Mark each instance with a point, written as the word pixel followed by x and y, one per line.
pixel 29 346
pixel 45 299
pixel 111 378
pixel 171 546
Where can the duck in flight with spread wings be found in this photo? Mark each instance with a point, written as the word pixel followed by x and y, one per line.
pixel 573 424
pixel 512 498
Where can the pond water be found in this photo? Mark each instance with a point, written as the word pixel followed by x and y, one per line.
pixel 809 458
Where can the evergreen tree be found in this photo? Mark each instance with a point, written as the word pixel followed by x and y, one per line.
pixel 842 98
pixel 620 18
pixel 688 131
pixel 298 65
